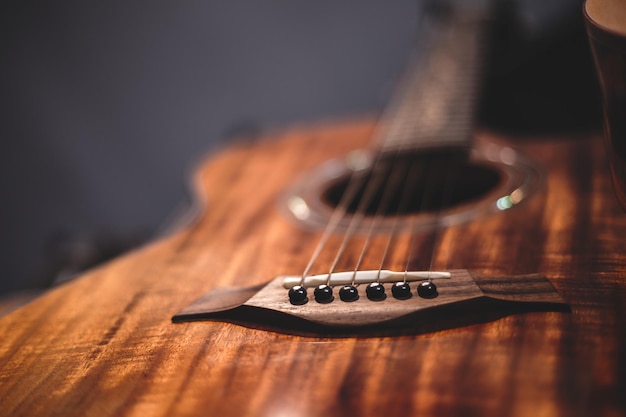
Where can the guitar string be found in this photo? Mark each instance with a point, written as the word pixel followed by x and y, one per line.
pixel 336 217
pixel 445 183
pixel 398 124
pixel 412 176
pixel 359 214
pixel 466 101
pixel 450 174
pixel 426 200
pixel 395 177
pixel 341 210
pixel 353 185
pixel 463 103
pixel 355 181
pixel 429 183
pixel 372 186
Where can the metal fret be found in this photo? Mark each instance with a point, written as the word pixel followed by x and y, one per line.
pixel 434 106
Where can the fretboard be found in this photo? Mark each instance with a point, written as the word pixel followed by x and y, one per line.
pixel 434 106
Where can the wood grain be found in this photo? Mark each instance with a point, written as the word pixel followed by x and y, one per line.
pixel 105 345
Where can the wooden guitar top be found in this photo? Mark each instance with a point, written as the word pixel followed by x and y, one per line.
pixel 105 343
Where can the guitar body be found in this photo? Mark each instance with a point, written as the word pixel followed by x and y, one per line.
pixel 105 344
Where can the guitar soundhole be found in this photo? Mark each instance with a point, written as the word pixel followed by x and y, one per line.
pixel 412 187
pixel 420 193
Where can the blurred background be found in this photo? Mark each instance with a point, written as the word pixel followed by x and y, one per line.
pixel 105 107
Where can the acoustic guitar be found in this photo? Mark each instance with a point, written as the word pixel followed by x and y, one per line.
pixel 407 266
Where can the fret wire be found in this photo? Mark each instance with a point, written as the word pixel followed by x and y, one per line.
pixel 429 84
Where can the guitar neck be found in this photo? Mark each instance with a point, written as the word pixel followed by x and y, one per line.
pixel 434 105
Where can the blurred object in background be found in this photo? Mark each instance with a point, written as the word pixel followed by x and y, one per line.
pixel 105 107
pixel 540 78
pixel 606 26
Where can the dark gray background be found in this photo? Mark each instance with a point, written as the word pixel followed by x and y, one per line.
pixel 105 107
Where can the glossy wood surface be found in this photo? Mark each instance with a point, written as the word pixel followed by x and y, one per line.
pixel 105 345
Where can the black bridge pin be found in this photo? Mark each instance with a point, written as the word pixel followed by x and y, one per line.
pixel 375 291
pixel 427 289
pixel 348 293
pixel 297 295
pixel 323 294
pixel 401 290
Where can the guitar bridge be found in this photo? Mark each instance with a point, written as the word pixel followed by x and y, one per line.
pixel 463 298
